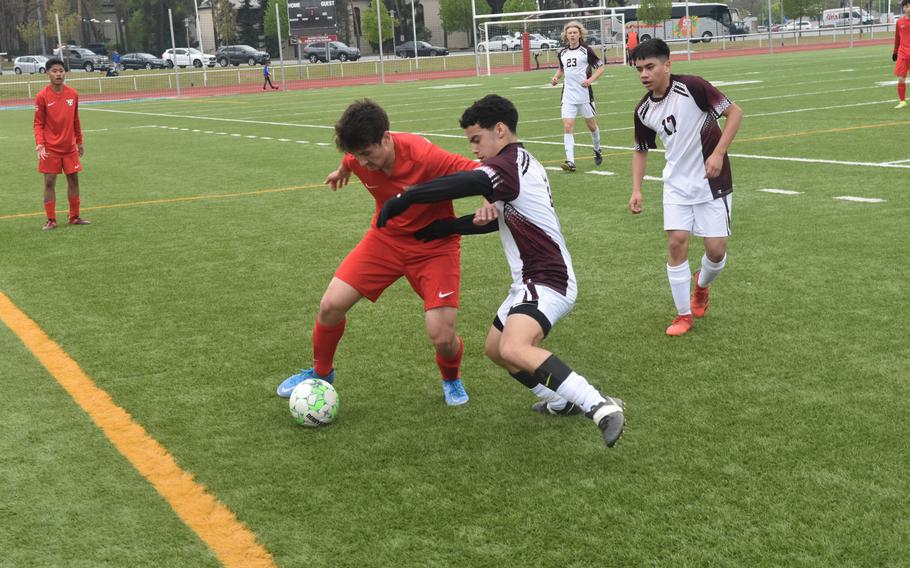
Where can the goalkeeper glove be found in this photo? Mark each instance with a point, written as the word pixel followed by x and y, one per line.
pixel 393 208
pixel 894 56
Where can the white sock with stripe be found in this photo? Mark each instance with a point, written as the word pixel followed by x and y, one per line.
pixel 555 401
pixel 578 390
pixel 710 270
pixel 568 141
pixel 680 278
pixel 595 136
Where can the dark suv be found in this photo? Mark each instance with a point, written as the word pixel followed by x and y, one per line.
pixel 316 51
pixel 424 49
pixel 80 58
pixel 237 54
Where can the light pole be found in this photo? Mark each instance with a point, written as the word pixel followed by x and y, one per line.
pixel 186 28
pixel 414 22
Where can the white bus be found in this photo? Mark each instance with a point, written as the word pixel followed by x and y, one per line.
pixel 705 22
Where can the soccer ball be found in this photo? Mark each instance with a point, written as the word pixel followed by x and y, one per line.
pixel 314 403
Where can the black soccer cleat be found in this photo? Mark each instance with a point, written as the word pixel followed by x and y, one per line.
pixel 543 407
pixel 609 417
pixel 598 158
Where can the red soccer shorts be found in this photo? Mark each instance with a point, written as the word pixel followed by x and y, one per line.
pixel 902 67
pixel 55 164
pixel 433 269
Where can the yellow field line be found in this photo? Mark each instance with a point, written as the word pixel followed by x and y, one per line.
pixel 231 541
pixel 172 200
pixel 826 131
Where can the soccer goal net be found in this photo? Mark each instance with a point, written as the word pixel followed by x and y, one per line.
pixel 528 41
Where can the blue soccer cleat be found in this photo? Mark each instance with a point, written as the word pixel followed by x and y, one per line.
pixel 454 392
pixel 287 386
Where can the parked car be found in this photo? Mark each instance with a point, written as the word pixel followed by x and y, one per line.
pixel 29 64
pixel 186 56
pixel 537 41
pixel 80 58
pixel 499 43
pixel 423 49
pixel 97 49
pixel 794 26
pixel 237 54
pixel 315 51
pixel 142 61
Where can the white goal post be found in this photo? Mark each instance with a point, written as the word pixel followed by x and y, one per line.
pixel 502 33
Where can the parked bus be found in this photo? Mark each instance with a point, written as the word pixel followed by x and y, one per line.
pixel 705 22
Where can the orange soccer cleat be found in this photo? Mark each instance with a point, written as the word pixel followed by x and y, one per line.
pixel 699 300
pixel 680 326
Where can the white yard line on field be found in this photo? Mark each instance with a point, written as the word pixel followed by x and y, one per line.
pixel 859 199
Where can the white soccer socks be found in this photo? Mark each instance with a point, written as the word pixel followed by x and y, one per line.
pixel 595 137
pixel 709 270
pixel 577 389
pixel 680 278
pixel 568 141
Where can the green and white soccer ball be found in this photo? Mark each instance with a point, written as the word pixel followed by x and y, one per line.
pixel 314 403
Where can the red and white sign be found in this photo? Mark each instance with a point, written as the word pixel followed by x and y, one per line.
pixel 310 39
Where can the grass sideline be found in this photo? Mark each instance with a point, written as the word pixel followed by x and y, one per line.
pixel 771 435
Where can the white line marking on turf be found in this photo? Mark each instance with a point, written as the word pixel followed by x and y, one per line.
pixel 781 191
pixel 652 178
pixel 453 86
pixel 729 83
pixel 600 173
pixel 886 83
pixel 818 108
pixel 552 168
pixel 860 199
pixel 546 86
pixel 96 130
pixel 163 115
pixel 897 162
pixel 846 70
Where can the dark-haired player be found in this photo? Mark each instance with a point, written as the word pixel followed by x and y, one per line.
pixel 386 163
pixel 698 184
pixel 543 281
pixel 58 142
pixel 901 53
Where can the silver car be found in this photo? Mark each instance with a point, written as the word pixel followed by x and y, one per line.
pixel 29 64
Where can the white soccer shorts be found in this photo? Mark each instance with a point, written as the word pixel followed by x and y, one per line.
pixel 586 110
pixel 709 219
pixel 540 302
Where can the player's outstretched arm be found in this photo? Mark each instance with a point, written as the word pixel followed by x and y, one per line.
pixel 445 188
pixel 639 163
pixel 461 226
pixel 715 161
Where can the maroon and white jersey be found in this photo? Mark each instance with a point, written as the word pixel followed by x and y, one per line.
pixel 685 118
pixel 528 225
pixel 577 65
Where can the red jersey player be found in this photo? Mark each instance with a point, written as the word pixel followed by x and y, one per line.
pixel 387 163
pixel 901 54
pixel 58 139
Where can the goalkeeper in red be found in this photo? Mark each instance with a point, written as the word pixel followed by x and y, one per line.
pixel 901 53
pixel 386 163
